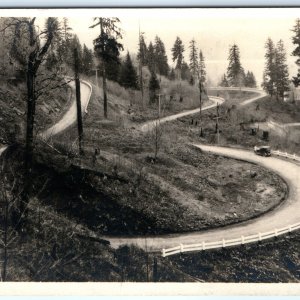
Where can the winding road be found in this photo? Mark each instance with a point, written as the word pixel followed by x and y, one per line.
pixel 70 116
pixel 284 215
pixel 147 126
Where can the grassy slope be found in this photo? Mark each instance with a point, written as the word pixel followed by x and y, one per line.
pixel 126 105
pixel 271 261
pixel 187 189
pixel 53 247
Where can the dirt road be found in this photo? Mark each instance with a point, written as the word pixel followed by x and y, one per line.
pixel 71 115
pixel 151 124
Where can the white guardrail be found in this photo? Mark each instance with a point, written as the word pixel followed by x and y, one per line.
pixel 240 240
pixel 228 243
pixel 285 154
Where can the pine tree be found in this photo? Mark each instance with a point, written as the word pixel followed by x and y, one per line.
pixel 65 48
pixel 107 48
pixel 153 86
pixel 224 81
pixel 177 55
pixel 75 43
pixel 51 61
pixel 172 75
pixel 185 72
pixel 142 52
pixel 202 71
pixel 151 58
pixel 269 72
pixel 128 74
pixel 161 59
pixel 194 66
pixel 235 72
pixel 281 70
pixel 66 30
pixel 87 60
pixel 296 52
pixel 250 80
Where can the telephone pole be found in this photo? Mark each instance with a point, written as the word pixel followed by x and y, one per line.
pixel 141 68
pixel 78 102
pixel 96 70
pixel 217 123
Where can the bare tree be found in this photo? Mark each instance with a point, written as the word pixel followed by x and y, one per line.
pixel 32 52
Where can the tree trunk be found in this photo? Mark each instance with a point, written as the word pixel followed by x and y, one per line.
pixel 104 91
pixel 31 102
pixel 78 103
pixel 30 115
pixel 200 98
pixel 103 72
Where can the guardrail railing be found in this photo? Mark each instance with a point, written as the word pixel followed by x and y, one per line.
pixel 285 154
pixel 231 242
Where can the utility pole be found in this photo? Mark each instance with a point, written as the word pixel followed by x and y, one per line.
pixel 103 70
pixel 141 68
pixel 96 70
pixel 155 272
pixel 200 97
pixel 217 123
pixel 78 102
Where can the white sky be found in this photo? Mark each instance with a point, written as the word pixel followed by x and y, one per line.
pixel 213 29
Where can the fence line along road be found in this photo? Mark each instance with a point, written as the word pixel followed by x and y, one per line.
pixel 286 155
pixel 228 243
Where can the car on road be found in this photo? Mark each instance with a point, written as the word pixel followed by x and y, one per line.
pixel 262 150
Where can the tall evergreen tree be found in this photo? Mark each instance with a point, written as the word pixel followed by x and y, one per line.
pixel 185 71
pixel 161 59
pixel 202 71
pixel 177 55
pixel 151 58
pixel 172 75
pixel 224 81
pixel 75 44
pixel 281 70
pixel 235 72
pixel 142 52
pixel 153 87
pixel 296 52
pixel 107 48
pixel 64 49
pixel 51 61
pixel 87 60
pixel 250 80
pixel 194 65
pixel 128 74
pixel 269 72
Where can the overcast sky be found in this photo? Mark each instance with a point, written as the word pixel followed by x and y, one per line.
pixel 213 29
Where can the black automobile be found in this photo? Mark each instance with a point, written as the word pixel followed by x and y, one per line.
pixel 262 150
